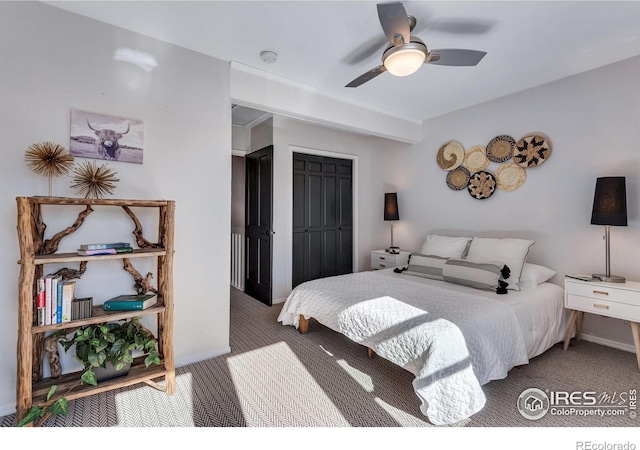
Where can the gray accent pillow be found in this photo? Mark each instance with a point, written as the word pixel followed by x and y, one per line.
pixel 475 275
pixel 426 266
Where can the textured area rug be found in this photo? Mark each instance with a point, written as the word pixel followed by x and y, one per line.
pixel 276 377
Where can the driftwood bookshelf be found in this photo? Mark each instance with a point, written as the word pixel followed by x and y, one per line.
pixel 36 252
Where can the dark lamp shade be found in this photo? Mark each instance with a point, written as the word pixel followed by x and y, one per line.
pixel 391 206
pixel 610 202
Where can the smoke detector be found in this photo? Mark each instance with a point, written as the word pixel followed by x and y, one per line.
pixel 268 56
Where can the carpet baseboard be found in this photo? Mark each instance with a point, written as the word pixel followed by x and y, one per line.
pixel 5 410
pixel 608 343
pixel 202 356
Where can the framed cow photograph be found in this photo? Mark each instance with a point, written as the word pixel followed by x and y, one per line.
pixel 105 137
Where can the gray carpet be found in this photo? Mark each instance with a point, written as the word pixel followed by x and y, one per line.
pixel 276 377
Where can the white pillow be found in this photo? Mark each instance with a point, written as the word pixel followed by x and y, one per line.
pixel 510 250
pixel 444 246
pixel 532 275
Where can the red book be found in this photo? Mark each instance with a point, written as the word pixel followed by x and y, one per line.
pixel 41 301
pixel 41 293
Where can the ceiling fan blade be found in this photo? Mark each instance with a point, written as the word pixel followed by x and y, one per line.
pixel 461 27
pixel 367 76
pixel 365 51
pixel 394 20
pixel 454 57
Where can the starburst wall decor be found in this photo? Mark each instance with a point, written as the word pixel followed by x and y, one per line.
pixel 94 181
pixel 49 159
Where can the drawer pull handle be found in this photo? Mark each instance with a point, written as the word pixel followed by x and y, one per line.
pixel 382 257
pixel 601 292
pixel 598 305
pixel 382 265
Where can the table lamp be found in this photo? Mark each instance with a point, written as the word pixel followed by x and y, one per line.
pixel 609 209
pixel 391 215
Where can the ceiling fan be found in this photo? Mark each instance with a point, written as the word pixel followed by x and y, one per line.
pixel 406 53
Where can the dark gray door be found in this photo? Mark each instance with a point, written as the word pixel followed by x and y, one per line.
pixel 259 223
pixel 322 217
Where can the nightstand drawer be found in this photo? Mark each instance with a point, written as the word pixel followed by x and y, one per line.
pixel 379 261
pixel 600 292
pixel 604 307
pixel 383 260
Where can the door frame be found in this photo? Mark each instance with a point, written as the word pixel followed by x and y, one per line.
pixel 291 149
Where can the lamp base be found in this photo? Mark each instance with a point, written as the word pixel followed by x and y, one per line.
pixel 610 278
pixel 393 250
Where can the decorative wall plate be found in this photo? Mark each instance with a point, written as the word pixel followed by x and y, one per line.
pixel 510 176
pixel 531 151
pixel 475 159
pixel 458 178
pixel 482 185
pixel 450 155
pixel 501 148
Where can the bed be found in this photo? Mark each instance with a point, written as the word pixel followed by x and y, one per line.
pixel 453 338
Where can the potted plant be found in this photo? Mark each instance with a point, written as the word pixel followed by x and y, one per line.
pixel 98 345
pixel 113 342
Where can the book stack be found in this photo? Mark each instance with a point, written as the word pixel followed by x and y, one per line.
pixel 54 300
pixel 130 302
pixel 110 248
pixel 81 308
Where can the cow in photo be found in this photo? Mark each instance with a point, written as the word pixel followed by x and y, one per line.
pixel 107 144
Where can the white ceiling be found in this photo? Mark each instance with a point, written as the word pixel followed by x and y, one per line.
pixel 528 43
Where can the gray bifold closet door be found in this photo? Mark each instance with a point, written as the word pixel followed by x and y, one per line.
pixel 322 217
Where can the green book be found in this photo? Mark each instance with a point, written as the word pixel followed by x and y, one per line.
pixel 131 302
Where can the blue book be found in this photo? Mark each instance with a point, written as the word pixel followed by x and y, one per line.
pixel 59 286
pixel 104 246
pixel 53 296
pixel 130 302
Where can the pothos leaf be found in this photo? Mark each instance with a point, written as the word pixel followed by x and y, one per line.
pixel 60 406
pixel 33 414
pixel 52 390
pixel 89 377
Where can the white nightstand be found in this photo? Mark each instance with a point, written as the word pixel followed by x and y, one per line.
pixel 381 259
pixel 617 300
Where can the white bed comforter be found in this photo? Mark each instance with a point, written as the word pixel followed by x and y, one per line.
pixel 453 342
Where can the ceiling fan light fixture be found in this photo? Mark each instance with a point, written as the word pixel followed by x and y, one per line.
pixel 404 60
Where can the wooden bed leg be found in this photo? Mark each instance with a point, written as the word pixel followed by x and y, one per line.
pixel 304 325
pixel 370 353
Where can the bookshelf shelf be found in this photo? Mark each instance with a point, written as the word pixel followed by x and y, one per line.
pixel 73 257
pixel 98 316
pixel 36 252
pixel 137 373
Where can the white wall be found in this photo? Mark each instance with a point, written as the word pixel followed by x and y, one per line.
pixel 262 135
pixel 240 139
pixel 267 92
pixel 592 121
pixel 373 155
pixel 53 61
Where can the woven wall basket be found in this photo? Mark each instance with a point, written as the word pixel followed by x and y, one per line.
pixel 481 185
pixel 458 178
pixel 510 177
pixel 531 151
pixel 450 155
pixel 475 159
pixel 501 148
